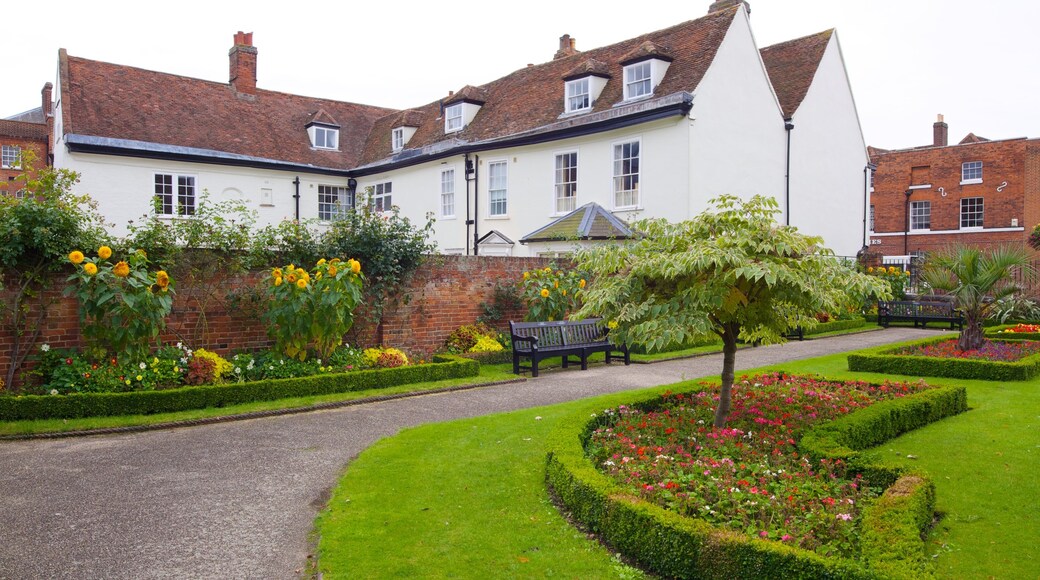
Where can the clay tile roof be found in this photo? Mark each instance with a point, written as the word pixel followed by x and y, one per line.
pixel 532 97
pixel 972 138
pixel 646 50
pixel 409 118
pixel 468 94
pixel 31 116
pixel 322 117
pixel 591 67
pixel 120 102
pixel 792 65
pixel 23 130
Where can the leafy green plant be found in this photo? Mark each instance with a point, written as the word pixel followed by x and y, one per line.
pixel 389 246
pixel 36 231
pixel 464 338
pixel 313 308
pixel 289 241
pixel 122 306
pixel 550 293
pixel 504 298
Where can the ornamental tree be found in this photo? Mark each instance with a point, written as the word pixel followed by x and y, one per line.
pixel 732 271
pixel 977 280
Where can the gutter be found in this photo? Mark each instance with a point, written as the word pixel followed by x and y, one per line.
pixel 788 126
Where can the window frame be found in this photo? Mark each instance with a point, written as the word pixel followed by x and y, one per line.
pixel 505 190
pixel 342 204
pixel 638 141
pixel 10 157
pixel 450 116
pixel 969 168
pixel 568 97
pixel 972 214
pixel 628 83
pixel 397 139
pixel 558 184
pixel 444 194
pixel 872 216
pixel 325 132
pixel 915 214
pixel 382 196
pixel 178 209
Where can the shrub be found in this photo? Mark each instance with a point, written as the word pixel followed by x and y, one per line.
pixel 464 338
pixel 885 360
pixel 33 407
pixel 122 306
pixel 550 293
pixel 312 307
pixel 836 324
pixel 201 371
pixel 486 344
pixel 374 357
pixel 221 367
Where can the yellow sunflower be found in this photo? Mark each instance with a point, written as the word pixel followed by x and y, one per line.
pixel 76 257
pixel 162 279
pixel 104 252
pixel 122 269
pixel 545 292
pixel 90 268
pixel 301 284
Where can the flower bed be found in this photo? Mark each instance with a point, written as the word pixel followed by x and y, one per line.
pixel 898 360
pixel 1020 331
pixel 644 524
pixel 747 477
pixel 990 350
pixel 145 402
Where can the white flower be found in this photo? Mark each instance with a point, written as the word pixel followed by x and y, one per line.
pixel 184 361
pixel 45 347
pixel 143 366
pixel 53 391
pixel 180 345
pixel 537 418
pixel 238 370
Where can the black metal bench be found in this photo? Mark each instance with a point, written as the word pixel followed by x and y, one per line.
pixel 538 341
pixel 920 313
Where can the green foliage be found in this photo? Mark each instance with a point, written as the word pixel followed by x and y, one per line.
pixel 503 299
pixel 292 241
pixel 486 344
pixel 550 293
pixel 836 325
pixel 891 537
pixel 66 371
pixel 673 546
pixel 732 271
pixel 389 247
pixel 312 307
pixel 122 306
pixel 977 280
pixel 172 400
pixel 883 360
pixel 1014 308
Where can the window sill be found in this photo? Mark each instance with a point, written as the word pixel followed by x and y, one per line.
pixel 920 230
pixel 446 218
pixel 575 113
pixel 922 186
pixel 497 217
pixel 971 182
pixel 628 208
pixel 971 229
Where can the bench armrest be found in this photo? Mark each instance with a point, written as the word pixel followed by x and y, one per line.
pixel 532 340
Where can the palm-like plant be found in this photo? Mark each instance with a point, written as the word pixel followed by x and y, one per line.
pixel 976 279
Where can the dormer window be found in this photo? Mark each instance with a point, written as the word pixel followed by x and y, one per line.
pixel 453 118
pixel 637 80
pixel 324 137
pixel 578 95
pixel 397 138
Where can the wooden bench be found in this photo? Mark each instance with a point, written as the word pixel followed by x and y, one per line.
pixel 920 313
pixel 538 341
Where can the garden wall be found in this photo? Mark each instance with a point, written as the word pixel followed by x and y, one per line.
pixel 446 293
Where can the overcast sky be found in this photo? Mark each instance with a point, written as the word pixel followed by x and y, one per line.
pixel 975 62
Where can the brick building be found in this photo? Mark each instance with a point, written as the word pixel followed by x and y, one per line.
pixel 979 192
pixel 30 130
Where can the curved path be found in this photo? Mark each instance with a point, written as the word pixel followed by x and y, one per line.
pixel 237 500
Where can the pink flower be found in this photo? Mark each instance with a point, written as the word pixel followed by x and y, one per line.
pixel 763 534
pixel 845 517
pixel 785 537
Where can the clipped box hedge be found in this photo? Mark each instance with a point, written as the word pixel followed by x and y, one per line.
pixel 836 325
pixel 188 398
pixel 671 545
pixel 884 360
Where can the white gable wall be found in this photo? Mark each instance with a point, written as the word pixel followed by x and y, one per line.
pixel 828 155
pixel 736 132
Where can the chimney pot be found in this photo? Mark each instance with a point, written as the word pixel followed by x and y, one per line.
pixel 724 4
pixel 940 132
pixel 566 47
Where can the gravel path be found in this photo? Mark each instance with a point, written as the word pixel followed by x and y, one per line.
pixel 237 500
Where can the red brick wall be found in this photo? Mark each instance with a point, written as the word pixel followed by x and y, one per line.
pixel 8 184
pixel 445 294
pixel 1002 161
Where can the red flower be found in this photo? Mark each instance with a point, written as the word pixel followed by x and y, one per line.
pixel 68 361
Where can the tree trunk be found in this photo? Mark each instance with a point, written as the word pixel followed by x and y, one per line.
pixel 729 357
pixel 971 337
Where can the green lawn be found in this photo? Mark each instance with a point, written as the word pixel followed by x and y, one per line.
pixel 467 499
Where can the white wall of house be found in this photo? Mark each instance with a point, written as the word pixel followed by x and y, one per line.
pixel 828 155
pixel 531 188
pixel 124 187
pixel 736 131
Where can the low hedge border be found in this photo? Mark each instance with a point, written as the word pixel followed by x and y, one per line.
pixel 882 360
pixel 186 398
pixel 671 545
pixel 836 325
pixel 994 332
pixel 891 530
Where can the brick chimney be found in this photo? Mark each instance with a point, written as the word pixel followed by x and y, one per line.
pixel 243 64
pixel 724 4
pixel 940 133
pixel 566 47
pixel 48 114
